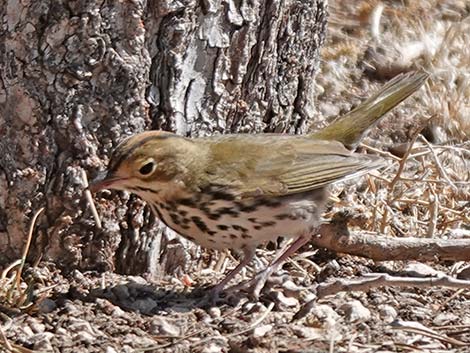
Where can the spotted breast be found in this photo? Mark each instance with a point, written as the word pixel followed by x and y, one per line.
pixel 217 220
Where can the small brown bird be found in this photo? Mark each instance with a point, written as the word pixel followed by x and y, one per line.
pixel 239 191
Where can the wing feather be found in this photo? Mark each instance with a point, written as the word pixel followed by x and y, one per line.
pixel 250 165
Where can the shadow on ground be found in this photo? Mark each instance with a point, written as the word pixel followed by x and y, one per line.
pixel 150 300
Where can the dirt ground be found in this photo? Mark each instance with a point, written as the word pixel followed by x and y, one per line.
pixel 367 44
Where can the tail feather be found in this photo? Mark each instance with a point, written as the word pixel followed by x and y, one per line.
pixel 351 127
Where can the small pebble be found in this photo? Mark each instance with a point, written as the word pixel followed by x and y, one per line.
pixel 85 337
pixel 286 301
pixel 309 333
pixel 387 313
pixel 36 325
pixel 322 315
pixel 46 306
pixel 445 319
pixel 214 312
pixel 42 342
pixel 160 326
pixel 137 279
pixel 417 269
pixel 355 311
pixel 261 331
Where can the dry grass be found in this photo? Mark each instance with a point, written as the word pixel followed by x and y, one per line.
pixel 14 291
pixel 426 192
pixel 19 294
pixel 382 41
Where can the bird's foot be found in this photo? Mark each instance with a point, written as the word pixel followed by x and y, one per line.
pixel 253 286
pixel 211 296
pixel 215 294
pixel 259 282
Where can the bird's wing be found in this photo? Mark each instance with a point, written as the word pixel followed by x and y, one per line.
pixel 255 165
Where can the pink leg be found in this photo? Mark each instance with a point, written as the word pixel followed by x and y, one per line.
pixel 248 254
pixel 260 279
pixel 296 245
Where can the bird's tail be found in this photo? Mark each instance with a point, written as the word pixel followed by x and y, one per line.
pixel 351 127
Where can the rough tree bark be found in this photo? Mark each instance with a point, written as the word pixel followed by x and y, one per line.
pixel 78 76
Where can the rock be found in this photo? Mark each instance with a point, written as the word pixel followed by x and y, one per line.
pixel 77 275
pixel 71 309
pixel 42 342
pixel 137 279
pixel 213 347
pixel 214 312
pixel 253 308
pixel 309 333
pixel 387 313
pixel 27 331
pixel 322 315
pixel 308 297
pixel 137 341
pixel 118 312
pixel 260 331
pixel 445 319
pixel 248 306
pixel 160 326
pixel 417 269
pixel 35 325
pixel 355 311
pixel 458 233
pixel 291 289
pixel 46 306
pixel 218 344
pixel 84 337
pixel 283 300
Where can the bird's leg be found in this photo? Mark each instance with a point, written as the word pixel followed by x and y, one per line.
pixel 258 282
pixel 248 254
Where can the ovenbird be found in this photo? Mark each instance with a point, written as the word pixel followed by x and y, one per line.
pixel 239 191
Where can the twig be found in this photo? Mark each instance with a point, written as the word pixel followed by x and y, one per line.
pixel 374 280
pixel 426 203
pixel 5 339
pixel 449 299
pixel 331 348
pixel 392 184
pixel 26 247
pixel 9 268
pixel 441 170
pixel 90 201
pixel 375 17
pixel 433 181
pixel 380 152
pixel 425 331
pixel 335 237
pixel 433 212
pixel 220 261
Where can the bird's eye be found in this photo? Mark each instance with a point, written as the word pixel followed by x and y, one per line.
pixel 147 168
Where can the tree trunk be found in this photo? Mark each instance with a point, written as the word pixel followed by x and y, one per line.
pixel 78 76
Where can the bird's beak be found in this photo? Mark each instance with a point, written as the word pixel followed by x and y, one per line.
pixel 103 181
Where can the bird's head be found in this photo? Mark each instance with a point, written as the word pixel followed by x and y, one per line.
pixel 147 161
